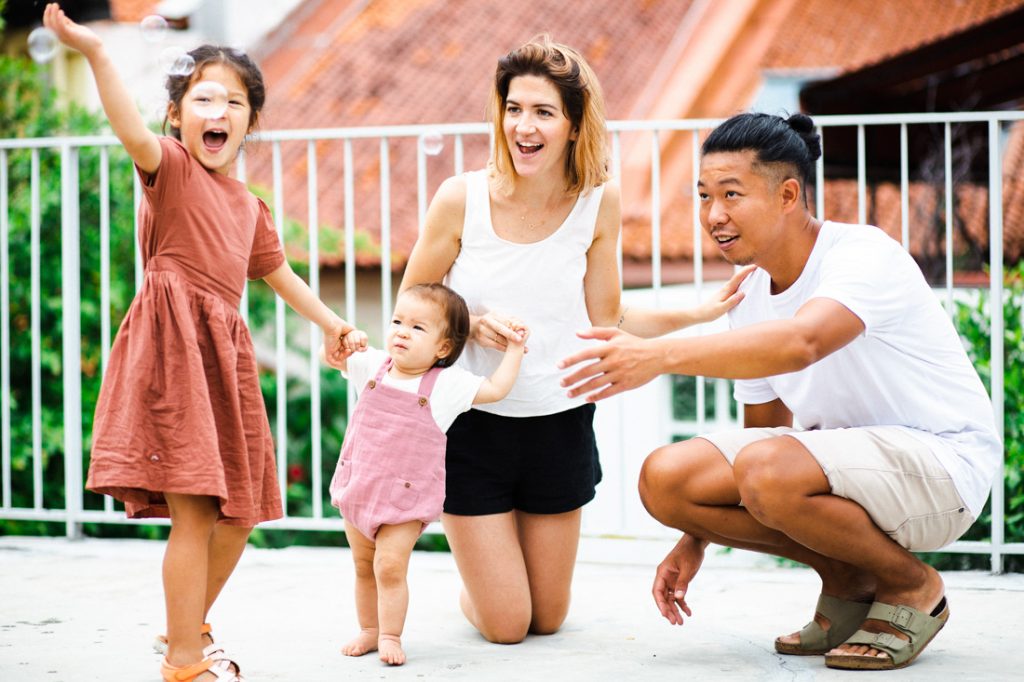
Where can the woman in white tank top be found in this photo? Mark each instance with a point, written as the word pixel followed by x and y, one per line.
pixel 531 240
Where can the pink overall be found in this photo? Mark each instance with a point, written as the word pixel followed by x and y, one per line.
pixel 391 469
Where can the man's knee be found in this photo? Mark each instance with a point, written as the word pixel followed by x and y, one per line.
pixel 660 480
pixel 762 480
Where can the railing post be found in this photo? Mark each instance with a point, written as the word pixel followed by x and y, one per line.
pixel 71 341
pixel 995 250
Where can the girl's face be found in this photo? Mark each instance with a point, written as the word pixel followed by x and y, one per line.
pixel 213 142
pixel 536 128
pixel 416 338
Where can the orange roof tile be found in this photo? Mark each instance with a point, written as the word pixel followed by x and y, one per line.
pixel 849 34
pixel 428 61
pixel 132 10
pixel 349 63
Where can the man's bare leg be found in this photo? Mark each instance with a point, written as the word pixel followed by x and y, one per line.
pixel 691 486
pixel 784 488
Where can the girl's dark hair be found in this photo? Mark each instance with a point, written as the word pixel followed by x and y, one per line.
pixel 204 55
pixel 775 140
pixel 455 313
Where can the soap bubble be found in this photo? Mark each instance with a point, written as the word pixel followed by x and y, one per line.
pixel 209 99
pixel 154 28
pixel 175 61
pixel 42 45
pixel 431 143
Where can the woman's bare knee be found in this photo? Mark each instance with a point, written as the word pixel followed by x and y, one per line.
pixel 548 623
pixel 504 630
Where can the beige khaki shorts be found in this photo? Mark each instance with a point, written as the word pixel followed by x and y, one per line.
pixel 893 475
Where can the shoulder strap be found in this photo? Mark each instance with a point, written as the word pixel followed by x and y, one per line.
pixel 428 381
pixel 384 367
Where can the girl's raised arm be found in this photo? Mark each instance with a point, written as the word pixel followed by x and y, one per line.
pixel 139 141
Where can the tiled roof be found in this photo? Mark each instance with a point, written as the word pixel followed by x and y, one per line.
pixel 849 34
pixel 427 61
pixel 337 63
pixel 132 10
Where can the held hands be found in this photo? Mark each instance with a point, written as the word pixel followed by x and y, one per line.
pixel 672 579
pixel 341 341
pixel 73 35
pixel 727 298
pixel 518 340
pixel 492 330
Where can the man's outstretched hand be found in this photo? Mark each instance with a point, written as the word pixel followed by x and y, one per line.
pixel 622 363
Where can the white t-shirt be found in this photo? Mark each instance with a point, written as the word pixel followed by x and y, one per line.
pixel 541 283
pixel 907 369
pixel 453 391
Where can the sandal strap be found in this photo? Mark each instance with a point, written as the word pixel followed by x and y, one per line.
pixel 843 615
pixel 185 673
pixel 215 652
pixel 906 619
pixel 883 641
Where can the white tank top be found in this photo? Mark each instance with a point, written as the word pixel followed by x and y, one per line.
pixel 540 283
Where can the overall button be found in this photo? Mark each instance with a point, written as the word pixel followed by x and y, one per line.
pixel 154 457
pixel 423 401
pixel 371 384
pixel 408 485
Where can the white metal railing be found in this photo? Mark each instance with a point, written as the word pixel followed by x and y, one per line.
pixel 627 428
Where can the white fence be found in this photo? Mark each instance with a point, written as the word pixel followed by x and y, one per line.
pixel 628 426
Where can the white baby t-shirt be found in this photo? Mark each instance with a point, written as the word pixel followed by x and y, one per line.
pixel 453 392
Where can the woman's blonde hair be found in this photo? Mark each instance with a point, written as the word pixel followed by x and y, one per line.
pixel 586 163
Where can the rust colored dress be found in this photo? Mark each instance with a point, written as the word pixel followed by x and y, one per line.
pixel 180 409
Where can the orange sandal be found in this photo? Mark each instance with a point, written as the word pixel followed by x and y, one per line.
pixel 214 662
pixel 160 643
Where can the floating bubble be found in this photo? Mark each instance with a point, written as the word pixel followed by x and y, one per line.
pixel 209 99
pixel 154 28
pixel 155 107
pixel 431 143
pixel 42 45
pixel 175 61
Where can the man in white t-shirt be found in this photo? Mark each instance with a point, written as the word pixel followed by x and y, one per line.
pixel 839 333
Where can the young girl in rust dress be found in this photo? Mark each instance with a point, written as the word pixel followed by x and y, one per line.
pixel 180 427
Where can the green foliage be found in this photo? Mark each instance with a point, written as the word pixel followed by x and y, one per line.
pixel 972 320
pixel 28 109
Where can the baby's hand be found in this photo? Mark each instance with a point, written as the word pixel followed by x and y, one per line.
pixel 68 32
pixel 522 333
pixel 337 348
pixel 355 341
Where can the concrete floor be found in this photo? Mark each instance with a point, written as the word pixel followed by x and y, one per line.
pixel 76 611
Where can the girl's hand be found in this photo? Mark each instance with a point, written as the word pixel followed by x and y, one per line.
pixel 71 34
pixel 492 330
pixel 727 298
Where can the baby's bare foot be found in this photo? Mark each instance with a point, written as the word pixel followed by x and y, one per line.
pixel 363 643
pixel 391 649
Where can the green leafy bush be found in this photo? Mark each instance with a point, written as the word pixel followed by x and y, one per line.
pixel 972 321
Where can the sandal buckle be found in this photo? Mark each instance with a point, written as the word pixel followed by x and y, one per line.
pixel 903 617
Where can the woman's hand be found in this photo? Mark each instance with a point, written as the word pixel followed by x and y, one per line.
pixel 73 35
pixel 493 330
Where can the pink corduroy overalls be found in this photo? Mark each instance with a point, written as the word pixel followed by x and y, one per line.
pixel 391 469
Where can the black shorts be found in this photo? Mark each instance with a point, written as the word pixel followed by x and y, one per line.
pixel 538 465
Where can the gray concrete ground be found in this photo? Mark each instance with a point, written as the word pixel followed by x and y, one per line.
pixel 76 611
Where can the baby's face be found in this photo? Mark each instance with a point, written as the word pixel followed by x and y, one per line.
pixel 416 338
